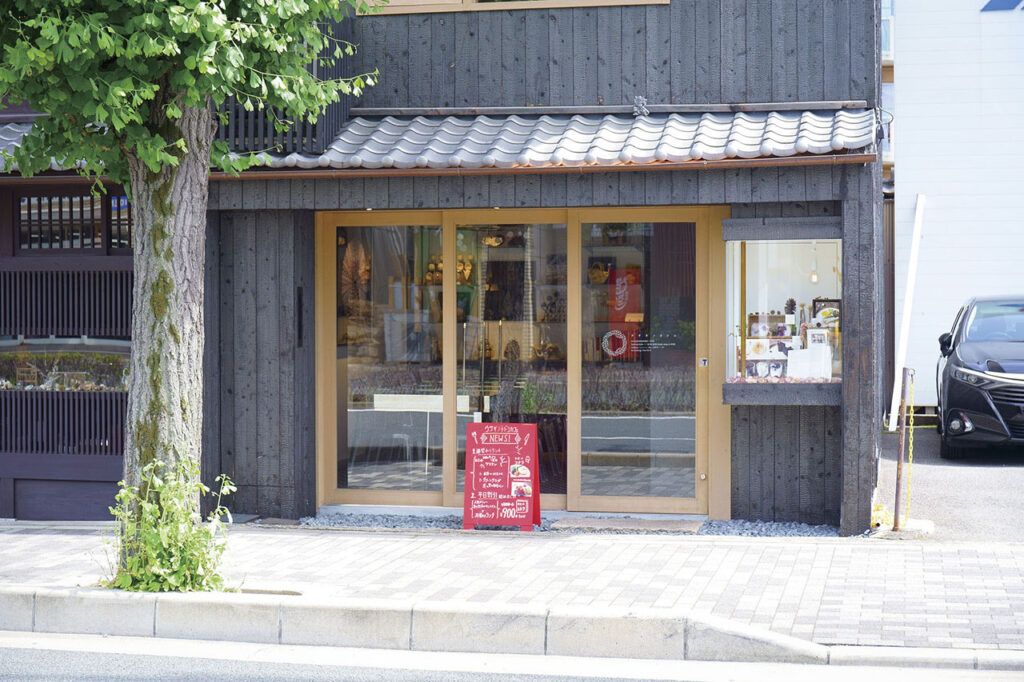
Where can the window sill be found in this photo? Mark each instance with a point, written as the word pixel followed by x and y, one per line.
pixel 782 394
pixel 434 7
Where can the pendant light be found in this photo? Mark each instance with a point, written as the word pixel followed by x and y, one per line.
pixel 814 263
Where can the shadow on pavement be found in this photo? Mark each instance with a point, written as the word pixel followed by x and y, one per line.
pixel 975 498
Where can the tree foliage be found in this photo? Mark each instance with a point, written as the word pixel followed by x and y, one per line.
pixel 161 548
pixel 115 75
pixel 128 88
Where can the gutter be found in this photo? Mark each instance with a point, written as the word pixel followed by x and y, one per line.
pixel 341 173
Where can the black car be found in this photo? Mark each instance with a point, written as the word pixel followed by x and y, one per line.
pixel 981 377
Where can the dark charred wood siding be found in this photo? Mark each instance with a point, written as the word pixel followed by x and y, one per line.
pixel 259 384
pixel 686 52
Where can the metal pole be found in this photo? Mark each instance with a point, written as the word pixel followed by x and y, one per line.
pixel 908 376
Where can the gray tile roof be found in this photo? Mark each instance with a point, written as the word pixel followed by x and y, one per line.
pixel 10 137
pixel 572 141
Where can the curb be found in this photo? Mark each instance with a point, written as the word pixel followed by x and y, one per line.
pixel 668 634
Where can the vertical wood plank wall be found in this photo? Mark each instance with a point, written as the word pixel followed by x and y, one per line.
pixel 687 52
pixel 258 395
pixel 786 463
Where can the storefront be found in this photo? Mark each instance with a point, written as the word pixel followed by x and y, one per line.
pixel 663 251
pixel 592 323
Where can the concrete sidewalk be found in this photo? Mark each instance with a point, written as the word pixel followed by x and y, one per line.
pixel 824 600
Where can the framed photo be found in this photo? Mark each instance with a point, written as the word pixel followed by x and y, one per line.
pixel 827 309
pixel 817 337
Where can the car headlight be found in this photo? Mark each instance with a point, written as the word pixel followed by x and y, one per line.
pixel 971 377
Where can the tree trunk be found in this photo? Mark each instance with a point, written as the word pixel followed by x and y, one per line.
pixel 165 383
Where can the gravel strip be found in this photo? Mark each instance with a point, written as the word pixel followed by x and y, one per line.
pixel 454 522
pixel 766 529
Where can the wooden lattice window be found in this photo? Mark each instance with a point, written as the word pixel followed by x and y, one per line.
pixel 80 223
pixel 120 224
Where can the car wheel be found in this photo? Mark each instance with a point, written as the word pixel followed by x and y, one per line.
pixel 947 451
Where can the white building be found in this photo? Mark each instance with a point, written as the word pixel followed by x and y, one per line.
pixel 959 107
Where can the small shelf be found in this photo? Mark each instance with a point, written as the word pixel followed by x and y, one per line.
pixel 824 393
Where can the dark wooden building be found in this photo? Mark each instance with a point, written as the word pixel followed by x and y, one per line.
pixel 653 229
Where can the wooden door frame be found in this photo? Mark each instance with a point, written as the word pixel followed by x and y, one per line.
pixel 713 490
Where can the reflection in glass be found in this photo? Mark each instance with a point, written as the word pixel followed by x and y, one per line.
pixel 511 341
pixel 389 357
pixel 785 307
pixel 639 332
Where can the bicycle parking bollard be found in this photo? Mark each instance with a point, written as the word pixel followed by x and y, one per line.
pixel 908 377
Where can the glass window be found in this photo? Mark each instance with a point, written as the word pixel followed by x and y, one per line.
pixel 63 365
pixel 389 357
pixel 996 321
pixel 511 312
pixel 785 311
pixel 639 380
pixel 64 396
pixel 74 222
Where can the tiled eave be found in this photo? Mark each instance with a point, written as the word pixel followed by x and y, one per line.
pixel 584 141
pixel 805 160
pixel 568 144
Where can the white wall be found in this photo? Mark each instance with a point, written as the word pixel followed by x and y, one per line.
pixel 959 76
pixel 777 271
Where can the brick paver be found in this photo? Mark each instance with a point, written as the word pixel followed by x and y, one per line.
pixel 832 591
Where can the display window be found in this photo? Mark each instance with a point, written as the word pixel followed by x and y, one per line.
pixel 785 311
pixel 592 324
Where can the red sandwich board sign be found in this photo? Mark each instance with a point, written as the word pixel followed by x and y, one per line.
pixel 502 484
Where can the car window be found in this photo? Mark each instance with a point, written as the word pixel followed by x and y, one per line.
pixel 996 321
pixel 955 329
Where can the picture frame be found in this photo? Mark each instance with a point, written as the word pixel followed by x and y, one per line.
pixel 817 336
pixel 820 304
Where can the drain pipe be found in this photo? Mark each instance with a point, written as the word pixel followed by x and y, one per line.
pixel 908 302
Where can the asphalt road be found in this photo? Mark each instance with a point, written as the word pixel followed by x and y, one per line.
pixel 977 498
pixel 25 656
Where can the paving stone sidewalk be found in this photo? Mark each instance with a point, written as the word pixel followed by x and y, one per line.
pixel 831 591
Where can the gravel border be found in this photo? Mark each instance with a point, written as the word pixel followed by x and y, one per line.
pixel 454 522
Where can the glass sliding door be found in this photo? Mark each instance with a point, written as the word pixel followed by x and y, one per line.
pixel 389 357
pixel 510 351
pixel 638 375
pixel 594 330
